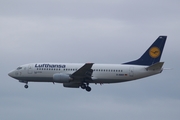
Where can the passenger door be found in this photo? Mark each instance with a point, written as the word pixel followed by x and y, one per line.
pixel 30 69
pixel 131 71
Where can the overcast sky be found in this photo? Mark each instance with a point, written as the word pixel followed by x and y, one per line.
pixel 80 31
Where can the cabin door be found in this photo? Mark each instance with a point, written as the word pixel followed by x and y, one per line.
pixel 30 70
pixel 131 71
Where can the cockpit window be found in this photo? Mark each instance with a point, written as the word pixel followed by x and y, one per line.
pixel 19 68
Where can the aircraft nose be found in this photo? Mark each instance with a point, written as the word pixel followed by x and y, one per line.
pixel 11 74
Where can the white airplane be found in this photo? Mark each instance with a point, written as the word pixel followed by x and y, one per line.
pixel 75 75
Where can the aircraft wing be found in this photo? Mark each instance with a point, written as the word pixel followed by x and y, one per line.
pixel 85 72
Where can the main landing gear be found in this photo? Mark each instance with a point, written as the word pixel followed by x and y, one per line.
pixel 86 86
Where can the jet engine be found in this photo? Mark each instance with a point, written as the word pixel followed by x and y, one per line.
pixel 61 78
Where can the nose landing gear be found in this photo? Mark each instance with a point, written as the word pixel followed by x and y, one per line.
pixel 26 85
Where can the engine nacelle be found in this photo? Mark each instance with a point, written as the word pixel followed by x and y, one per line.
pixel 71 85
pixel 61 78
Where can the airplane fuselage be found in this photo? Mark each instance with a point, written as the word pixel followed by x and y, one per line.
pixel 102 73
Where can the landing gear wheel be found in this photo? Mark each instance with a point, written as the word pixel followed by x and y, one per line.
pixel 26 86
pixel 83 86
pixel 88 88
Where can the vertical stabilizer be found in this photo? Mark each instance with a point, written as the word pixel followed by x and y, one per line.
pixel 152 54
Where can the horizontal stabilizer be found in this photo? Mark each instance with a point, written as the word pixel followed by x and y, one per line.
pixel 156 66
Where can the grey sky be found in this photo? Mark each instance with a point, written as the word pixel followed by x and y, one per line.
pixel 110 31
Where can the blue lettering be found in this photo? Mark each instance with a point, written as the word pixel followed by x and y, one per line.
pixel 36 65
pixel 50 65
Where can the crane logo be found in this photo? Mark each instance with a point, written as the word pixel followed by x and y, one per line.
pixel 154 52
